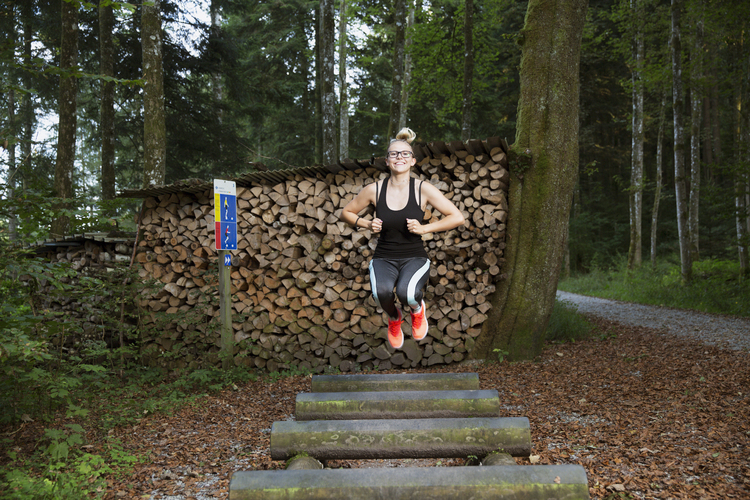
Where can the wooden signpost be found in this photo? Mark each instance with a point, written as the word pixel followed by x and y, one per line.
pixel 225 216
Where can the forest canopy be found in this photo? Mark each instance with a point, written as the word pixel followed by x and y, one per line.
pixel 246 85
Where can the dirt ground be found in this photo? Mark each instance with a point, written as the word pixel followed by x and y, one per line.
pixel 647 414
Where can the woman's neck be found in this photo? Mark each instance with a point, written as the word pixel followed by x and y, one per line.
pixel 400 179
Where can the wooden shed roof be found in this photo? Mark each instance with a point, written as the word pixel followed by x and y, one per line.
pixel 436 149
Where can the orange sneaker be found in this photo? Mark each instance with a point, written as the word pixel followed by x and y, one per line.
pixel 395 335
pixel 419 323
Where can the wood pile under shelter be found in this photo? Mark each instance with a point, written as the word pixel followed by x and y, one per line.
pixel 300 284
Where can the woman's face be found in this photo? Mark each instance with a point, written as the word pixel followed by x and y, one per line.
pixel 400 157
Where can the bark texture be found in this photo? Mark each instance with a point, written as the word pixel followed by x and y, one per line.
pixel 66 139
pixel 327 96
pixel 398 67
pixel 343 96
pixel 636 170
pixel 107 105
pixel 696 105
pixel 680 182
pixel 154 114
pixel 403 111
pixel 658 180
pixel 540 195
pixel 468 68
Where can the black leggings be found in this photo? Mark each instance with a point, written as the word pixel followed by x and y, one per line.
pixel 408 276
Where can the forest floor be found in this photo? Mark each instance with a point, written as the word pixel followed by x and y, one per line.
pixel 647 413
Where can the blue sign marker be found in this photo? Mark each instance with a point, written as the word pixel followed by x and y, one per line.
pixel 227 260
pixel 228 236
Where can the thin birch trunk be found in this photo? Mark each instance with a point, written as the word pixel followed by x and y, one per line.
pixel 636 177
pixel 318 94
pixel 407 70
pixel 12 125
pixel 107 103
pixel 327 94
pixel 28 102
pixel 680 182
pixel 658 186
pixel 706 149
pixel 715 122
pixel 343 98
pixel 696 98
pixel 216 79
pixel 468 69
pixel 399 49
pixel 742 144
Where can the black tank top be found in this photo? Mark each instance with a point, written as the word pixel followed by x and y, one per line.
pixel 395 241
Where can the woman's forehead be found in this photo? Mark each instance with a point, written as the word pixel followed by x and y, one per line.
pixel 398 141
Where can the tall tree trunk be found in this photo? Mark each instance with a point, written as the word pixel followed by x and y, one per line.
pixel 8 29
pixel 27 106
pixel 403 110
pixel 318 95
pixel 399 48
pixel 308 138
pixel 680 182
pixel 217 82
pixel 636 174
pixel 742 153
pixel 327 94
pixel 343 97
pixel 696 98
pixel 706 148
pixel 107 104
pixel 154 114
pixel 658 187
pixel 468 68
pixel 715 122
pixel 66 138
pixel 541 186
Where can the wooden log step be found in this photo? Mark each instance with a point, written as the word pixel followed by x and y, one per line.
pixel 396 382
pixel 397 404
pixel 392 438
pixel 517 482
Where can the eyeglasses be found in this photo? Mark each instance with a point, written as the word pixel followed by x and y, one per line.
pixel 404 154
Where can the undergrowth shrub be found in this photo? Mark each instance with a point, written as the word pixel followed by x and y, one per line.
pixel 566 324
pixel 718 286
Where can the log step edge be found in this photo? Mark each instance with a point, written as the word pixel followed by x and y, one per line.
pixel 519 482
pixel 398 438
pixel 397 404
pixel 395 382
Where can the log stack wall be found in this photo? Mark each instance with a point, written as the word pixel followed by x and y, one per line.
pixel 300 283
pixel 97 261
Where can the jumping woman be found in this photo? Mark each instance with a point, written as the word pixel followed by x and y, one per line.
pixel 400 261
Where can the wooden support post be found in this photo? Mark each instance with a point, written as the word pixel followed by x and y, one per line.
pixel 225 301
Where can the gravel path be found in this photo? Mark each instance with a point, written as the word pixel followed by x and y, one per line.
pixel 724 331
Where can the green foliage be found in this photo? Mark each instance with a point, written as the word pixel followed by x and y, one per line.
pixel 718 286
pixel 501 354
pixel 288 371
pixel 566 324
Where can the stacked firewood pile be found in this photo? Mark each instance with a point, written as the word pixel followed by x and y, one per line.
pixel 100 262
pixel 300 285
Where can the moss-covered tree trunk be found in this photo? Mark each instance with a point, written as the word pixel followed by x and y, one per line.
pixel 541 186
pixel 68 114
pixel 154 112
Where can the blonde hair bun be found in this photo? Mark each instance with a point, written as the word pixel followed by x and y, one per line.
pixel 405 134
